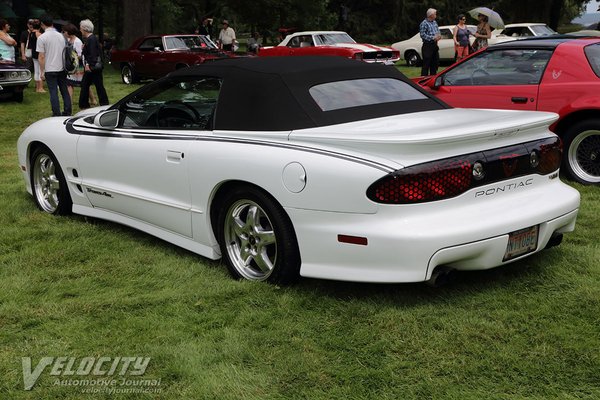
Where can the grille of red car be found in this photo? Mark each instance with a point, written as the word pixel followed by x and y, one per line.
pixel 450 177
pixel 378 55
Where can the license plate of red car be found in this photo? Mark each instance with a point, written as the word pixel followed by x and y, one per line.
pixel 521 242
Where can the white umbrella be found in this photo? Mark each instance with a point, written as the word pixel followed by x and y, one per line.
pixel 494 18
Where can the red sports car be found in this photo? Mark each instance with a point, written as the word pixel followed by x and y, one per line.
pixel 560 74
pixel 330 43
pixel 157 55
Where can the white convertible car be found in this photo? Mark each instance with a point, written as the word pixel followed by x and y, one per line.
pixel 318 167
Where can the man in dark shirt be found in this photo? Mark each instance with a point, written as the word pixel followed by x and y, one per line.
pixel 24 46
pixel 93 66
pixel 205 27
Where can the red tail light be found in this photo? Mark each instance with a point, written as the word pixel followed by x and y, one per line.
pixel 425 182
pixel 550 157
pixel 451 177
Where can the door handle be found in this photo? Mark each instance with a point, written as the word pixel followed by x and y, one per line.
pixel 521 100
pixel 174 156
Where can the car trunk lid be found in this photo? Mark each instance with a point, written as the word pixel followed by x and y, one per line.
pixel 412 138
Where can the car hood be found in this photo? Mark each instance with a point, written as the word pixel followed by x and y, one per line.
pixel 362 47
pixel 415 137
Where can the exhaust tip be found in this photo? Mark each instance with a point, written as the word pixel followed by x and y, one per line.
pixel 555 240
pixel 441 276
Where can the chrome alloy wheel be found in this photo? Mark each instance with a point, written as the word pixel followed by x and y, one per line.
pixel 45 183
pixel 250 240
pixel 127 75
pixel 584 156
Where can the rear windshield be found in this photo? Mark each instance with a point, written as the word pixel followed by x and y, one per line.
pixel 592 52
pixel 362 92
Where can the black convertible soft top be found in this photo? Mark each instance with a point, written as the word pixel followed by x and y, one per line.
pixel 272 93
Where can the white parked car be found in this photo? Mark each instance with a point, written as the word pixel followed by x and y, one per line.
pixel 523 30
pixel 319 166
pixel 410 49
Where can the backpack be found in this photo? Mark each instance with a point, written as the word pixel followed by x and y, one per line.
pixel 71 59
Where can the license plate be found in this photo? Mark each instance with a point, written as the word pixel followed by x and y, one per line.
pixel 521 242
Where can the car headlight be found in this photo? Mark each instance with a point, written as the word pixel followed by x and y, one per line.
pixel 14 75
pixel 25 74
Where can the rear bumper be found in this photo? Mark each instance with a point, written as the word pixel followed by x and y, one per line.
pixel 406 243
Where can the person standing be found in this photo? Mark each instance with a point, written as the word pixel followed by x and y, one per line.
pixel 50 47
pixel 25 49
pixel 205 27
pixel 74 79
pixel 35 34
pixel 92 61
pixel 7 43
pixel 253 43
pixel 226 37
pixel 483 33
pixel 430 34
pixel 461 38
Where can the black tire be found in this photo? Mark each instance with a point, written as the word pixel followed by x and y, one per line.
pixel 256 237
pixel 48 183
pixel 18 97
pixel 128 75
pixel 412 58
pixel 581 158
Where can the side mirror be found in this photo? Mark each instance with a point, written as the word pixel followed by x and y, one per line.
pixel 157 49
pixel 439 81
pixel 107 119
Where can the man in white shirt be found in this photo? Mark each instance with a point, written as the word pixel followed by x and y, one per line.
pixel 50 46
pixel 226 37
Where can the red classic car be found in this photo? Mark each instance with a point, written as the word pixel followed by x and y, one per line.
pixel 330 43
pixel 157 55
pixel 559 74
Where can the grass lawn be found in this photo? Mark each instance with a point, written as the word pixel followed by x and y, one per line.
pixel 76 288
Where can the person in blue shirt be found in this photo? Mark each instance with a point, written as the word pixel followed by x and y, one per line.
pixel 430 34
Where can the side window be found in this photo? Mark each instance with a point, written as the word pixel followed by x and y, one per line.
pixel 294 42
pixel 150 44
pixel 500 67
pixel 306 41
pixel 186 103
pixel 446 33
pixel 592 52
pixel 147 45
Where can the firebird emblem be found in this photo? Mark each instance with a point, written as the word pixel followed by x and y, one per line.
pixel 556 74
pixel 509 164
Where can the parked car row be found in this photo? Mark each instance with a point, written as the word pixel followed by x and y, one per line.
pixel 410 49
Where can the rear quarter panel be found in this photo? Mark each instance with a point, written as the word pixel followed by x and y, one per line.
pixel 569 84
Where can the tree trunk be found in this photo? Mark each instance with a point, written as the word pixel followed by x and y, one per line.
pixel 137 20
pixel 556 7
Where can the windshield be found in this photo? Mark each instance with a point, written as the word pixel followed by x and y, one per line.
pixel 542 30
pixel 189 42
pixel 329 39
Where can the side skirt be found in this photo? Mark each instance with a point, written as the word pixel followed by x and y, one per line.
pixel 174 238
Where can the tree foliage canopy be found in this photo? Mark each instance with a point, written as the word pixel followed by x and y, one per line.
pixel 367 20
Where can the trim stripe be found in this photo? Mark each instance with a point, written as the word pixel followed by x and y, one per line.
pixel 120 133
